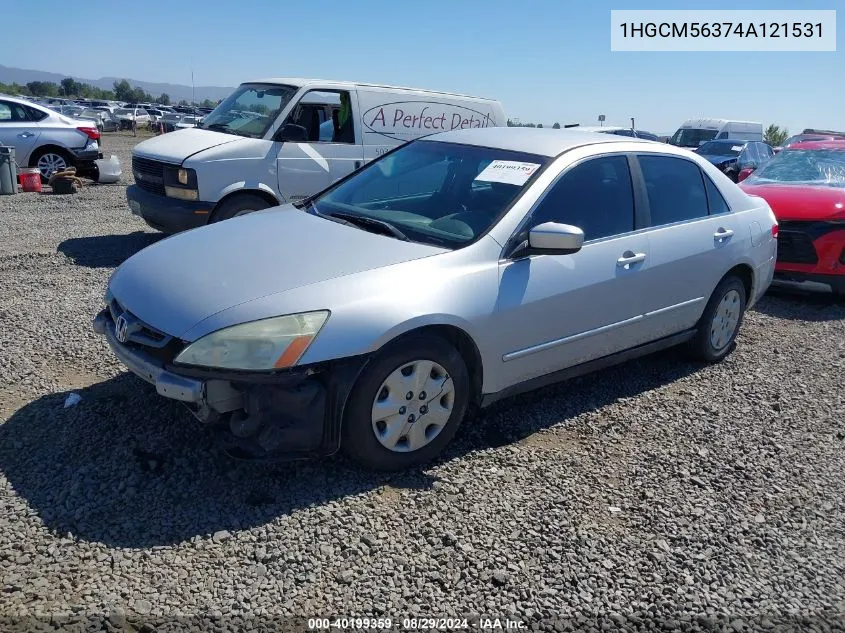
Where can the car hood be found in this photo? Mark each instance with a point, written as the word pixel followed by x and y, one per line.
pixel 175 147
pixel 797 202
pixel 184 279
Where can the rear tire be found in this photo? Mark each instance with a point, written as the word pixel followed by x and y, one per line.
pixel 383 436
pixel 49 160
pixel 240 204
pixel 719 325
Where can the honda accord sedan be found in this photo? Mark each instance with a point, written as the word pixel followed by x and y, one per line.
pixel 453 271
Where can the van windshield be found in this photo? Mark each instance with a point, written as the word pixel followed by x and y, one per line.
pixel 446 194
pixel 250 110
pixel 692 137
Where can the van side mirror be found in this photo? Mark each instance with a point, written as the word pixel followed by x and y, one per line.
pixel 551 238
pixel 292 133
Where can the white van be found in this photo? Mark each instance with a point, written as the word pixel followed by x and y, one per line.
pixel 694 132
pixel 276 141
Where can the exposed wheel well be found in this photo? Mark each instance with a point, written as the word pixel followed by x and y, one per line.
pixel 466 348
pixel 58 149
pixel 271 200
pixel 746 275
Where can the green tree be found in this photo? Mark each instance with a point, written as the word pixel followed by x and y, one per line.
pixel 70 87
pixel 775 135
pixel 539 125
pixel 122 90
pixel 163 99
pixel 43 88
pixel 556 126
pixel 208 103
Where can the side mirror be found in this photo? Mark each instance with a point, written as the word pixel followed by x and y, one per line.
pixel 293 133
pixel 744 173
pixel 551 238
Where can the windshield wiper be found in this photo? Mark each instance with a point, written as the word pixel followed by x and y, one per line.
pixel 366 223
pixel 222 127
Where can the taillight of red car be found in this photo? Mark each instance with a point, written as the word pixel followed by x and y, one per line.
pixel 91 132
pixel 775 230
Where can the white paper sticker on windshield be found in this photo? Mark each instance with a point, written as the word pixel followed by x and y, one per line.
pixel 511 172
pixel 736 148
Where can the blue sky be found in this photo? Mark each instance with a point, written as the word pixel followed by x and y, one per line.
pixel 546 61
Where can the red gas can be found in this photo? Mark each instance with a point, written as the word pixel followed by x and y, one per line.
pixel 30 179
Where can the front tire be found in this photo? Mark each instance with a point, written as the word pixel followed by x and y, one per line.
pixel 407 405
pixel 240 204
pixel 719 325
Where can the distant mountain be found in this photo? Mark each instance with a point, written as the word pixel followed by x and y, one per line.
pixel 176 92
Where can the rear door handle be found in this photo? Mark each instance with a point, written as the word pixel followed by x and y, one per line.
pixel 723 234
pixel 629 258
pixel 26 134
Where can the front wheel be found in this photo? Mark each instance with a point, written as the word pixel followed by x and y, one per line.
pixel 240 204
pixel 407 405
pixel 719 325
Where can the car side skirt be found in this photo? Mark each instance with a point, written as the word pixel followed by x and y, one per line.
pixel 588 367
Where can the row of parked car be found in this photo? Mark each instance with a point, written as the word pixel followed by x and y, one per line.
pixel 110 116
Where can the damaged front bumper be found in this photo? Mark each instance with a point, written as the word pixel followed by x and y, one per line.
pixel 288 414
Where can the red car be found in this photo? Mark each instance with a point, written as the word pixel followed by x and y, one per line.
pixel 805 186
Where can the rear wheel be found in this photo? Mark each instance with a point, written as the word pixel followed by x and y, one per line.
pixel 240 204
pixel 49 161
pixel 720 323
pixel 407 405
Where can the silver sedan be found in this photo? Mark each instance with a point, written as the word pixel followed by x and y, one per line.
pixel 455 270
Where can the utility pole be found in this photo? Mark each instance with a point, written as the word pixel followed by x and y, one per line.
pixel 193 93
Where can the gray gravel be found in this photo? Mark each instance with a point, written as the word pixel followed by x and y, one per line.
pixel 657 495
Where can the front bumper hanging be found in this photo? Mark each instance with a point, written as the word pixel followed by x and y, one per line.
pixel 290 414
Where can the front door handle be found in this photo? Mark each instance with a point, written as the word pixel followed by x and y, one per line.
pixel 629 257
pixel 723 234
pixel 26 134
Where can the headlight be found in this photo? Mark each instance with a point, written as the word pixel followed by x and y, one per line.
pixel 257 346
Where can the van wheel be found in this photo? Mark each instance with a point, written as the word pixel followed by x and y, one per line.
pixel 407 405
pixel 719 325
pixel 240 204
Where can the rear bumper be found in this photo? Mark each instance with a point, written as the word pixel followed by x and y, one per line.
pixel 167 214
pixel 835 282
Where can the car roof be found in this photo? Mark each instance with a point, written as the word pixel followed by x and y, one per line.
pixel 541 141
pixel 835 144
pixel 299 82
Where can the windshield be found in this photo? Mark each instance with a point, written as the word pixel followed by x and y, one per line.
pixel 821 167
pixel 721 148
pixel 438 193
pixel 124 111
pixel 264 102
pixel 172 117
pixel 692 137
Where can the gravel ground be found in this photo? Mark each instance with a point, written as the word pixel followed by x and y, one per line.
pixel 656 495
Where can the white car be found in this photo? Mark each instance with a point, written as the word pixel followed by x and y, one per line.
pixel 132 115
pixel 46 139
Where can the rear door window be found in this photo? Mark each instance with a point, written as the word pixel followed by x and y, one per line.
pixel 675 189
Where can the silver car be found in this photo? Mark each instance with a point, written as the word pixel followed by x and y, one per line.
pixel 46 139
pixel 453 271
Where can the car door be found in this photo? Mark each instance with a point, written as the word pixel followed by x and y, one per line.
pixel 694 239
pixel 326 153
pixel 18 130
pixel 556 311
